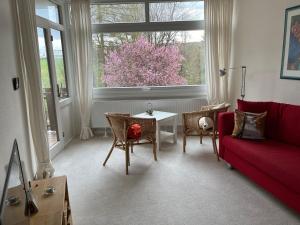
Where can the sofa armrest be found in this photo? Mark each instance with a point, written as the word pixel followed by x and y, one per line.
pixel 225 127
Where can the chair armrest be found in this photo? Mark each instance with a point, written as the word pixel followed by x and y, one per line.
pixel 225 127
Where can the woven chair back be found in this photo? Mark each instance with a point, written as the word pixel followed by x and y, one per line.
pixel 118 124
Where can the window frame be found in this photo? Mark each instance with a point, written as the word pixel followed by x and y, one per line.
pixel 48 25
pixel 153 92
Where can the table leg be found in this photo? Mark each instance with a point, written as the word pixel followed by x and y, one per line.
pixel 158 136
pixel 175 130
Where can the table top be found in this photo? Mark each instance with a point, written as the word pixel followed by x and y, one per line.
pixel 158 115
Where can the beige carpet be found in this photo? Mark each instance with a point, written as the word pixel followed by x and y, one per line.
pixel 178 189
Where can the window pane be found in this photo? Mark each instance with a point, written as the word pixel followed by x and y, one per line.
pixel 46 82
pixel 117 13
pixel 148 59
pixel 47 10
pixel 176 11
pixel 59 63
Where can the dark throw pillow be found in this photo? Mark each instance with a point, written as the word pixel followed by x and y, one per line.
pixel 249 125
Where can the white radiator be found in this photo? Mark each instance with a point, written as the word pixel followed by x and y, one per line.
pixel 139 106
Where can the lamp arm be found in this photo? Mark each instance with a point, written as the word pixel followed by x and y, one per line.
pixel 223 72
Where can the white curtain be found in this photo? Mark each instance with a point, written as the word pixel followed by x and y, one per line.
pixel 218 32
pixel 81 47
pixel 30 74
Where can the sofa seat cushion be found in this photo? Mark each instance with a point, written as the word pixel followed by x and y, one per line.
pixel 278 160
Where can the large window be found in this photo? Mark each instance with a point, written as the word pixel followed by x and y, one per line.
pixel 148 43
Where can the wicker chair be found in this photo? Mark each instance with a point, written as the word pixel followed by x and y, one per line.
pixel 120 123
pixel 191 126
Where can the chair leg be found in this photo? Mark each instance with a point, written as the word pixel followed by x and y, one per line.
pixel 154 151
pixel 126 158
pixel 215 147
pixel 112 148
pixel 184 142
pixel 131 147
pixel 129 144
pixel 201 139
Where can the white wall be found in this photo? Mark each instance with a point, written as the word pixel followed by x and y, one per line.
pixel 12 113
pixel 257 43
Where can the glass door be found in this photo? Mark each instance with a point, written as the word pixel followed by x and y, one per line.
pixel 47 89
pixel 51 40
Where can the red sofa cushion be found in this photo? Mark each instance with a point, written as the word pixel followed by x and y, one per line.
pixel 254 107
pixel 283 120
pixel 260 107
pixel 289 125
pixel 134 131
pixel 278 160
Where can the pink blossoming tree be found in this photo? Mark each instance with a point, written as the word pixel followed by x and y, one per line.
pixel 141 63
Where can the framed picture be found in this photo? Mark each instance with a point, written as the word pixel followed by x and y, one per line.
pixel 290 64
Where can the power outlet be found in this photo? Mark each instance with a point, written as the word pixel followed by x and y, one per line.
pixel 16 83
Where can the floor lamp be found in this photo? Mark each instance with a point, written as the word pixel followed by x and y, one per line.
pixel 223 72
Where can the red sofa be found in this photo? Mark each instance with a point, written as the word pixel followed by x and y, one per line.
pixel 273 163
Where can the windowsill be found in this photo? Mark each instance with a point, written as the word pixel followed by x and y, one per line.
pixel 146 93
